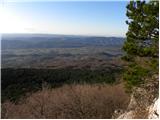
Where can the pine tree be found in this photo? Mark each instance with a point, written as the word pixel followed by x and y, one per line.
pixel 143 31
pixel 142 41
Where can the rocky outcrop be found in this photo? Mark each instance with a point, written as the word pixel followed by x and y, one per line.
pixel 127 115
pixel 154 110
pixel 143 102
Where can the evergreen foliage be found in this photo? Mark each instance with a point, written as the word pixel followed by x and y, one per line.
pixel 143 28
pixel 142 40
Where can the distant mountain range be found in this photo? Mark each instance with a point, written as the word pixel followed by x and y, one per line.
pixel 23 41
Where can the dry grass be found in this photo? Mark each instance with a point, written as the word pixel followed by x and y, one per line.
pixel 70 101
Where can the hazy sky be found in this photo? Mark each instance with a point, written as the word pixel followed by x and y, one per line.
pixel 105 18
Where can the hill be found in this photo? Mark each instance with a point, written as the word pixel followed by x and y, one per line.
pixel 54 51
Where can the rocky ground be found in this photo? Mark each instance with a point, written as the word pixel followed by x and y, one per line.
pixel 144 102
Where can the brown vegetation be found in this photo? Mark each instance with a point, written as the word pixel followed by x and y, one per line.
pixel 69 101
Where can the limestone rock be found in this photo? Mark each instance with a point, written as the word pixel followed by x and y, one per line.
pixel 154 110
pixel 127 115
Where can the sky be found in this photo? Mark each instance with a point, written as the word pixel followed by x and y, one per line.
pixel 103 18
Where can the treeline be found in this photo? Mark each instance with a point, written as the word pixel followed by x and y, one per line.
pixel 18 82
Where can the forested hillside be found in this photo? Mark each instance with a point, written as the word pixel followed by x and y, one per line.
pixel 17 82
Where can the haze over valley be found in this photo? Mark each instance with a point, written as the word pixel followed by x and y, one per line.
pixel 57 51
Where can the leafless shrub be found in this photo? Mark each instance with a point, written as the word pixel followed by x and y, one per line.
pixel 70 101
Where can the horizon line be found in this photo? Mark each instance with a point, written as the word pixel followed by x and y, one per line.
pixel 85 35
